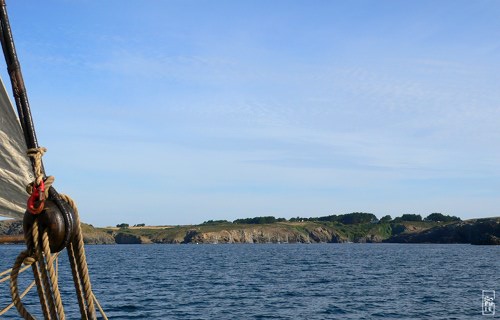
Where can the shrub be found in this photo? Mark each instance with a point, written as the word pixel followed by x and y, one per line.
pixel 409 217
pixel 216 222
pixel 386 218
pixel 256 220
pixel 439 217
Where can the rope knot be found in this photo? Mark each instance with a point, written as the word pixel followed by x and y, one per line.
pixel 33 152
pixel 29 260
pixel 36 154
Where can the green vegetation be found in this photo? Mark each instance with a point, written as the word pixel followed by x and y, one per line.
pixel 259 220
pixel 357 218
pixel 408 217
pixel 386 218
pixel 348 218
pixel 122 225
pixel 215 222
pixel 439 217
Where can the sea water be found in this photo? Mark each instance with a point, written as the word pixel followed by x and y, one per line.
pixel 287 281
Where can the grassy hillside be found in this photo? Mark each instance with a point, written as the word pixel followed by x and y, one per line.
pixel 304 231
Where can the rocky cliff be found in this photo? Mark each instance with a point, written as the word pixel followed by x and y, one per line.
pixel 11 227
pixel 93 235
pixel 263 234
pixel 129 238
pixel 236 233
pixel 479 231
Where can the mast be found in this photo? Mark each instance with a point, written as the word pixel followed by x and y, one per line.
pixel 17 81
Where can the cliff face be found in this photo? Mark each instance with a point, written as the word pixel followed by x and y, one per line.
pixel 127 238
pixel 263 234
pixel 480 231
pixel 11 227
pixel 98 237
pixel 270 233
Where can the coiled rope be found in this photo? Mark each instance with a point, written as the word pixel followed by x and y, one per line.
pixel 44 264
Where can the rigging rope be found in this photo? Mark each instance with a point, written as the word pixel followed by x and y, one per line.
pixel 38 256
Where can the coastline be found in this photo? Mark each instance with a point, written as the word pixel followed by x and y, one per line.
pixel 476 231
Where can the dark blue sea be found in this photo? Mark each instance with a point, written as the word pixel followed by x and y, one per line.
pixel 287 281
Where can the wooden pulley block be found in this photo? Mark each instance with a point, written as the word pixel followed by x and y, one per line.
pixel 58 219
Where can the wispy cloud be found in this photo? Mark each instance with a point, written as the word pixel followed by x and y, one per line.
pixel 251 110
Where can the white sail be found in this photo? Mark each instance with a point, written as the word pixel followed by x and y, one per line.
pixel 15 169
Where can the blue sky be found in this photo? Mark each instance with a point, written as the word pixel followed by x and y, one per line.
pixel 177 112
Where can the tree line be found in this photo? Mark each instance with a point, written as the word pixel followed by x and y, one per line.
pixel 348 218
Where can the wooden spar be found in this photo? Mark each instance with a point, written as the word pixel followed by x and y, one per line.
pixel 16 79
pixel 18 238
